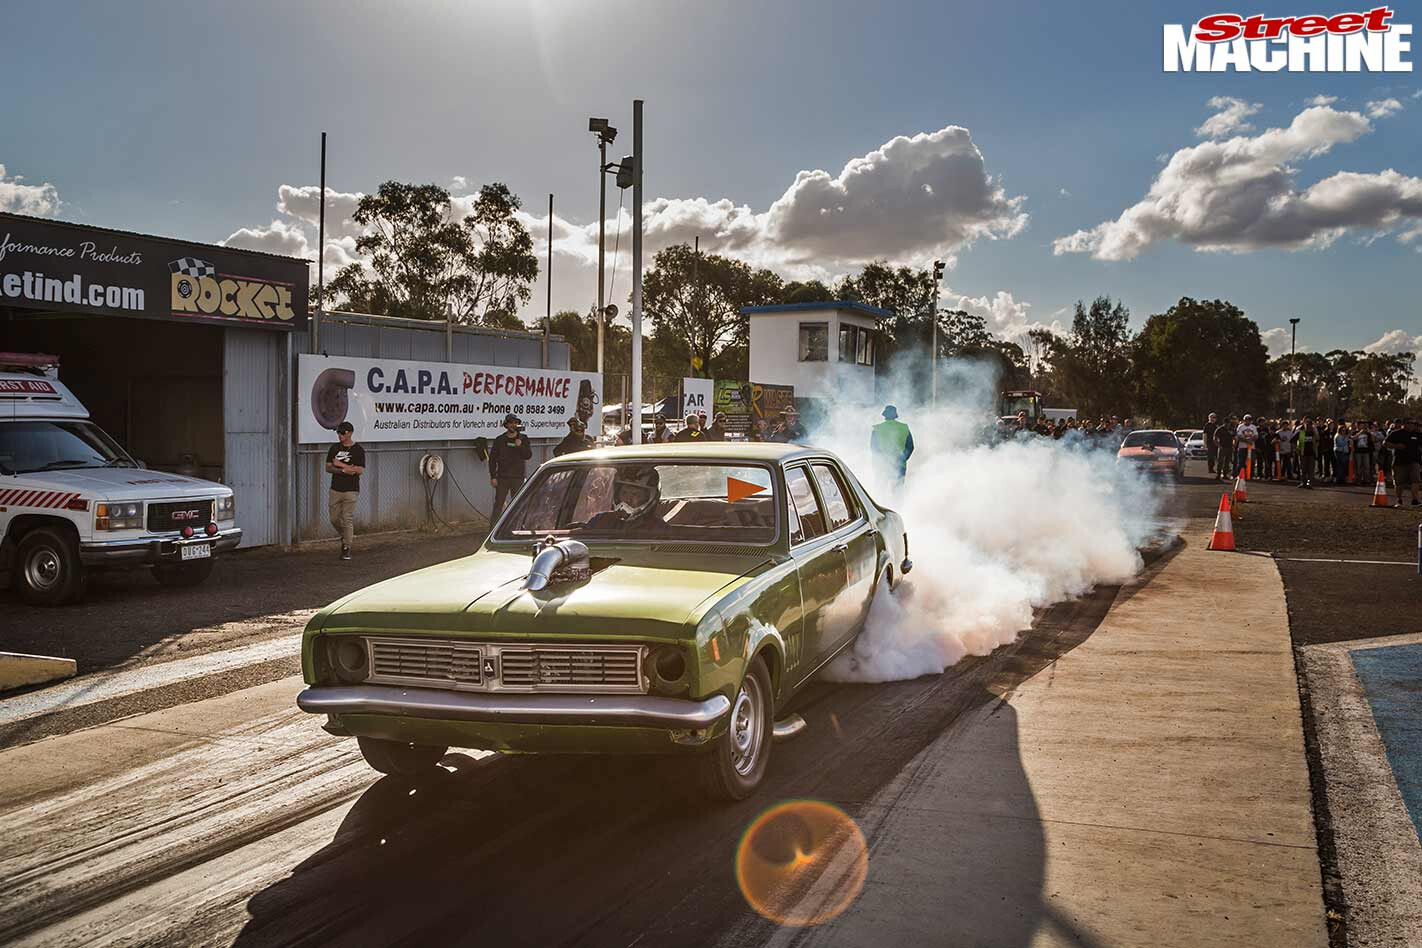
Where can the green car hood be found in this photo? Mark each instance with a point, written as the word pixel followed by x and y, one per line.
pixel 633 593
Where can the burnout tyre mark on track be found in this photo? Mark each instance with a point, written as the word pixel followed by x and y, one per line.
pixel 87 846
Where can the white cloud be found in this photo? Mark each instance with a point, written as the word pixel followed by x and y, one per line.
pixel 459 183
pixel 877 205
pixel 304 204
pixel 1240 195
pixel 1323 100
pixel 912 199
pixel 295 233
pixel 1417 94
pixel 1382 108
pixel 1064 192
pixel 1230 117
pixel 1003 315
pixel 17 197
pixel 1276 340
pixel 1396 341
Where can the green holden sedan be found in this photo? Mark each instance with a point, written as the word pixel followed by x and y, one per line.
pixel 658 599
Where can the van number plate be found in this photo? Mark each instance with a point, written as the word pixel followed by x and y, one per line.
pixel 196 551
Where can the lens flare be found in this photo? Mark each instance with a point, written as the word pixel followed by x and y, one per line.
pixel 802 863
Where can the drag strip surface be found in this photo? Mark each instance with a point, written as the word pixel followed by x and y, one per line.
pixel 237 818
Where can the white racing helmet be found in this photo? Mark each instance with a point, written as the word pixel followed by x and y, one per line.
pixel 636 489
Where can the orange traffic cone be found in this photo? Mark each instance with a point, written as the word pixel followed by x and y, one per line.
pixel 1380 492
pixel 1241 489
pixel 1223 537
pixel 1278 466
pixel 1248 471
pixel 1351 478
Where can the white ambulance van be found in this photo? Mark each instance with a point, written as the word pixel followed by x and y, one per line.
pixel 73 500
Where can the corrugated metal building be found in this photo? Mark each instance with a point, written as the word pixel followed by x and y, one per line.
pixel 393 495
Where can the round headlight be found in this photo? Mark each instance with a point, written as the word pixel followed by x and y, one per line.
pixel 666 670
pixel 670 664
pixel 348 657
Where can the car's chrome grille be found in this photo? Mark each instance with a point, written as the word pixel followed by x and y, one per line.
pixel 554 667
pixel 485 666
pixel 436 663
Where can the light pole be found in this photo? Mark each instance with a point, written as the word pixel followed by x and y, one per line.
pixel 1293 366
pixel 637 270
pixel 606 134
pixel 933 315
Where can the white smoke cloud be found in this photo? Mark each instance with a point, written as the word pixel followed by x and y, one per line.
pixel 17 197
pixel 1240 195
pixel 1231 116
pixel 1323 100
pixel 1075 520
pixel 1382 108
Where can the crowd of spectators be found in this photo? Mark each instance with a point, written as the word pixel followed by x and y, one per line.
pixel 1104 431
pixel 1322 449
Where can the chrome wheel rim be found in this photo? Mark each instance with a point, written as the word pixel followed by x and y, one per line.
pixel 43 569
pixel 747 726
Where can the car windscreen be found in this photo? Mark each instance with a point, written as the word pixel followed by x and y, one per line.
pixel 1150 439
pixel 30 446
pixel 642 500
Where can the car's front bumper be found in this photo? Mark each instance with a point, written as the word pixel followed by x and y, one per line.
pixel 519 722
pixel 141 551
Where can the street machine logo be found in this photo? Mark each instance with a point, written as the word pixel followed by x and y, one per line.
pixel 198 288
pixel 1365 41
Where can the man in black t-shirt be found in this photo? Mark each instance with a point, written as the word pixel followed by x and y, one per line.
pixel 346 463
pixel 1406 447
pixel 508 455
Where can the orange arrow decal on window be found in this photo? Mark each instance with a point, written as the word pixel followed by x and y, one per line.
pixel 737 489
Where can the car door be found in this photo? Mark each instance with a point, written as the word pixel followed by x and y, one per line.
pixel 850 527
pixel 821 564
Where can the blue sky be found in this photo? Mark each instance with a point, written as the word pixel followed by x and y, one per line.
pixel 184 119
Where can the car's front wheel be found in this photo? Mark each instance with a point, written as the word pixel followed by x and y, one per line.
pixel 48 569
pixel 738 760
pixel 400 759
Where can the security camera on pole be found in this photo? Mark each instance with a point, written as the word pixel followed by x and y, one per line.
pixel 606 135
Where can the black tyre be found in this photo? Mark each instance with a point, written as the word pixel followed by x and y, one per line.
pixel 48 571
pixel 183 574
pixel 401 760
pixel 738 760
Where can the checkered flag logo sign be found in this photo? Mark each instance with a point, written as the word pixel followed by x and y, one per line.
pixel 193 267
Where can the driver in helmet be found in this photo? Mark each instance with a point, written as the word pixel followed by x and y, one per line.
pixel 636 492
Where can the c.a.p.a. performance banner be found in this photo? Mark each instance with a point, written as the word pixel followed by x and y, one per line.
pixel 401 400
